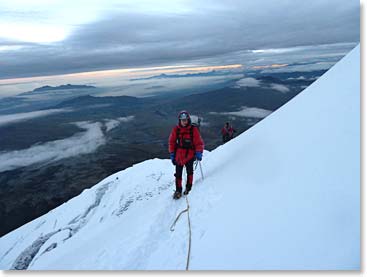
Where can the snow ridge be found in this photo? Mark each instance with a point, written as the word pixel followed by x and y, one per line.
pixel 26 257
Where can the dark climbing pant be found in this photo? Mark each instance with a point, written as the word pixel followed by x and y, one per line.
pixel 226 138
pixel 190 174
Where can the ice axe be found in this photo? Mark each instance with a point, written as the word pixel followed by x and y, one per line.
pixel 201 169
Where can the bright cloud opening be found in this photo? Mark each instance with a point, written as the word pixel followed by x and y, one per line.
pixel 35 33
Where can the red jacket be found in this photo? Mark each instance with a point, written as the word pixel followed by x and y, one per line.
pixel 185 141
pixel 228 131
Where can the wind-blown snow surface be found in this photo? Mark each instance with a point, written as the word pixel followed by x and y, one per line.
pixel 283 195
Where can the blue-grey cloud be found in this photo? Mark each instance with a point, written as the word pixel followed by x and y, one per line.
pixel 200 31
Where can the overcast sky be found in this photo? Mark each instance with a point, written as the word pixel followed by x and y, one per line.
pixel 40 37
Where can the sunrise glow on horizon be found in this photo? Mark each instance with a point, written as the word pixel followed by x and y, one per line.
pixel 128 72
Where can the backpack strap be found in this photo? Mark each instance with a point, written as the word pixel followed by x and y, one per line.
pixel 177 139
pixel 192 136
pixel 192 140
pixel 177 136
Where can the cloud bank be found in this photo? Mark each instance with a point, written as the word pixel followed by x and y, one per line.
pixel 247 82
pixel 122 34
pixel 113 123
pixel 13 118
pixel 81 143
pixel 279 87
pixel 247 112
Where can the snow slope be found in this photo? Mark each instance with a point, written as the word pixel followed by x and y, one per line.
pixel 283 195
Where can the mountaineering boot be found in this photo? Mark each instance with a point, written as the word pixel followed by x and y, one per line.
pixel 187 189
pixel 177 194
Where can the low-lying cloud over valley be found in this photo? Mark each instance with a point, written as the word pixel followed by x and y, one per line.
pixel 280 87
pixel 247 82
pixel 13 118
pixel 251 112
pixel 84 142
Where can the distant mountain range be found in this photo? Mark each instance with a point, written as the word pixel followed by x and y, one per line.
pixel 85 100
pixel 62 87
pixel 300 75
pixel 201 74
pixel 44 97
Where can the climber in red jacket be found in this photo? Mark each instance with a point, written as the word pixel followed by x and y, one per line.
pixel 227 132
pixel 185 145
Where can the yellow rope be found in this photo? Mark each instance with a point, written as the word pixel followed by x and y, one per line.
pixel 178 216
pixel 172 228
pixel 188 219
